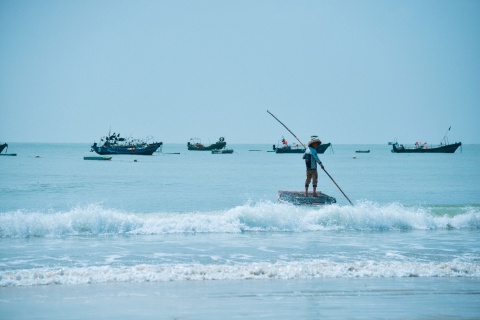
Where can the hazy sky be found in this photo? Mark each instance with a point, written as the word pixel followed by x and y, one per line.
pixel 347 71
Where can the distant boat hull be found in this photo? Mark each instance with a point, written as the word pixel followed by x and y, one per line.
pixel 289 149
pixel 223 151
pixel 197 146
pixel 297 149
pixel 449 148
pixel 298 198
pixel 3 146
pixel 323 147
pixel 200 147
pixel 362 151
pixel 97 158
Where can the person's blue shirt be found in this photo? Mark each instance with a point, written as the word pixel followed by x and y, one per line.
pixel 311 158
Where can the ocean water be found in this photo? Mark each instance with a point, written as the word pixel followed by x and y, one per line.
pixel 191 235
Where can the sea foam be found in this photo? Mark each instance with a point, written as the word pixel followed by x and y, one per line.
pixel 253 271
pixel 258 217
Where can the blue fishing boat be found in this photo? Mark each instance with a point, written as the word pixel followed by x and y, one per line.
pixel 114 144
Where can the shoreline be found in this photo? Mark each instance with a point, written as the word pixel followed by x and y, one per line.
pixel 392 298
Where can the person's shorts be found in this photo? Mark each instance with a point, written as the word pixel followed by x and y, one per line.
pixel 312 174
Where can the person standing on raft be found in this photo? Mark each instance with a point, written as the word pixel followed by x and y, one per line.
pixel 311 160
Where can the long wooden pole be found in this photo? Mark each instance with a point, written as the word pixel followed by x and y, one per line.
pixel 305 148
pixel 337 186
pixel 287 129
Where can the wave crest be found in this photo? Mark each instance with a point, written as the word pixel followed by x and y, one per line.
pixel 259 217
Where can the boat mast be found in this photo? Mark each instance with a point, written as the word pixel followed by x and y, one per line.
pixel 445 139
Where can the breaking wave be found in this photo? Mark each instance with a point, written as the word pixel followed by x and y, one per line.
pixel 254 271
pixel 258 217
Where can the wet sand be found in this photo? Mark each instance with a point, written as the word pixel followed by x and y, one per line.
pixel 405 298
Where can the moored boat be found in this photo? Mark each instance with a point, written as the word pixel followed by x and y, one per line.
pixel 3 146
pixel 425 148
pixel 284 147
pixel 362 151
pixel 444 147
pixel 323 147
pixel 114 144
pixel 196 145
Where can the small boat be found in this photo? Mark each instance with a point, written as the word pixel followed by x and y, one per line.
pixel 444 147
pixel 289 149
pixel 97 158
pixel 299 198
pixel 114 144
pixel 222 151
pixel 362 151
pixel 196 145
pixel 284 147
pixel 5 147
pixel 323 147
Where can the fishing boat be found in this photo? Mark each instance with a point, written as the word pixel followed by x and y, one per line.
pixel 114 144
pixel 284 147
pixel 196 145
pixel 323 147
pixel 444 147
pixel 426 148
